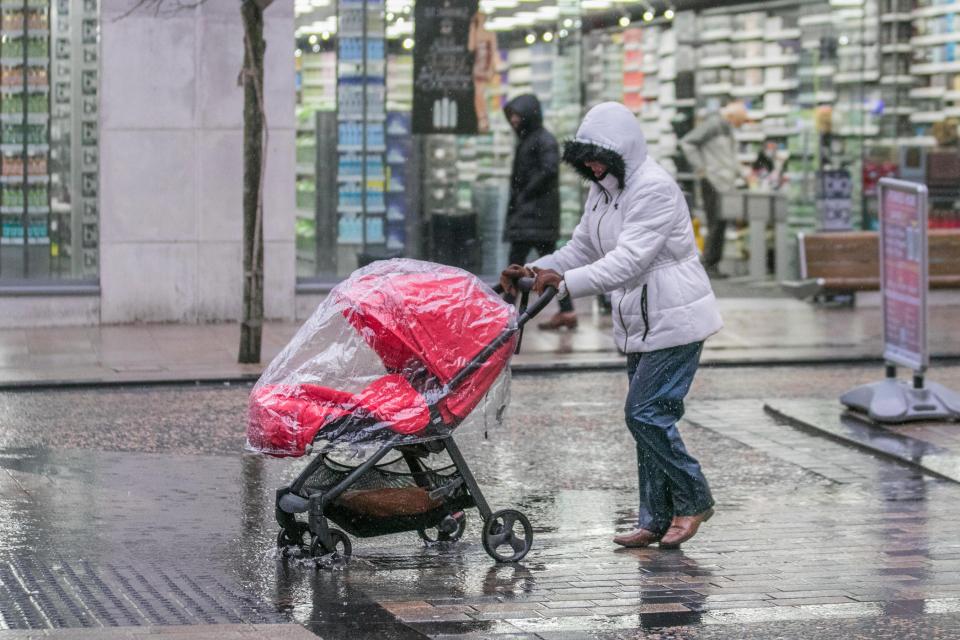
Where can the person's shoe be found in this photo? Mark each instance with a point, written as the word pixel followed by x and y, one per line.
pixel 636 538
pixel 683 528
pixel 562 320
pixel 715 274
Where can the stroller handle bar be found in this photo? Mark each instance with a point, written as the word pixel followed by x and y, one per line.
pixel 525 285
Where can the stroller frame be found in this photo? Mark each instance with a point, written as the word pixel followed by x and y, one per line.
pixel 459 493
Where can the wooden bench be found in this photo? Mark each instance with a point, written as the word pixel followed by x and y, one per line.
pixel 849 261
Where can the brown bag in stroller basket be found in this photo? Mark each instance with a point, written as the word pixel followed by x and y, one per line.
pixel 389 502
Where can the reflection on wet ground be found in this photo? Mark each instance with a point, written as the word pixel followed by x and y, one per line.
pixel 807 531
pixel 931 446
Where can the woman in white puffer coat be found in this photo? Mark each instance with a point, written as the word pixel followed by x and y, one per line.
pixel 635 241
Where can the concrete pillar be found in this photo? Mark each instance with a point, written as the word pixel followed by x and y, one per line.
pixel 171 163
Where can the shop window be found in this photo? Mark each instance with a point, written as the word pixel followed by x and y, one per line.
pixel 49 140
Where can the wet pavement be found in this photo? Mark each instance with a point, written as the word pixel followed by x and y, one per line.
pixel 128 509
pixel 760 330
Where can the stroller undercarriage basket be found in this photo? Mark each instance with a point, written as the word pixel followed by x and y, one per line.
pixel 389 497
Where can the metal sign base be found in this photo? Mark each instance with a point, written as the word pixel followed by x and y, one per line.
pixel 894 400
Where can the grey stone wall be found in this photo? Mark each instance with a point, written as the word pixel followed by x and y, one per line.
pixel 171 163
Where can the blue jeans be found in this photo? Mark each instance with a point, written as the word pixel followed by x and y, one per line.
pixel 671 482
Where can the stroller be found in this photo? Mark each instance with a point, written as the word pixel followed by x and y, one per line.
pixel 399 354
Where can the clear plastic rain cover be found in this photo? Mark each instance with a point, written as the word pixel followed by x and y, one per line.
pixel 385 355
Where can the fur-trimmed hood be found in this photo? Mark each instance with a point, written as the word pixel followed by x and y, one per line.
pixel 610 134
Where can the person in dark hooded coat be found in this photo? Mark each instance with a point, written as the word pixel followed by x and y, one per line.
pixel 533 211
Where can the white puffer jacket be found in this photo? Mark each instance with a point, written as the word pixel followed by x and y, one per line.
pixel 637 243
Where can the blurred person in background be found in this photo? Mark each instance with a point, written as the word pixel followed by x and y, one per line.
pixel 533 211
pixel 711 150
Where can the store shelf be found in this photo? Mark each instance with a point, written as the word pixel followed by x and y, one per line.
pixel 932 68
pixel 30 241
pixel 19 210
pixel 896 48
pixel 928 92
pixel 18 148
pixel 720 88
pixel 358 117
pixel 782 34
pixel 897 80
pixel 895 17
pixel 17 61
pixel 749 34
pixel 781 85
pixel 778 112
pixel 865 132
pixel 18 89
pixel 935 39
pixel 856 77
pixel 815 20
pixel 936 10
pixel 34 179
pixel 375 210
pixel 32 118
pixel 927 117
pixel 714 62
pixel 766 61
pixel 748 91
pixel 357 148
pixel 714 35
pixel 351 179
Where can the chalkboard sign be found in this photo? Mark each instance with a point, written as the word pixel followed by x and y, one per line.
pixel 446 78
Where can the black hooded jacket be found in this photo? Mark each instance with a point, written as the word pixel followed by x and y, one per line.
pixel 533 212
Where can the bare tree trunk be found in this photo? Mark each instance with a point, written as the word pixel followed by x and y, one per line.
pixel 254 127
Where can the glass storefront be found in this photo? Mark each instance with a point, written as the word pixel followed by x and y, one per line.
pixel 48 110
pixel 839 94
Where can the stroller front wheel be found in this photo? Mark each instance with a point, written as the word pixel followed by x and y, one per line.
pixel 450 529
pixel 341 545
pixel 501 538
pixel 301 540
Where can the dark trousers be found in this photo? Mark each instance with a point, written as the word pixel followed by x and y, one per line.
pixel 520 249
pixel 716 225
pixel 670 479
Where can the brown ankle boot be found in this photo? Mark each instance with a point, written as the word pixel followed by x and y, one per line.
pixel 562 320
pixel 636 538
pixel 683 528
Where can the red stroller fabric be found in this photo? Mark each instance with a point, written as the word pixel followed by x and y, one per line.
pixel 440 320
pixel 426 322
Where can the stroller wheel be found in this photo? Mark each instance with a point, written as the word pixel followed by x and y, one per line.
pixel 341 545
pixel 450 529
pixel 501 538
pixel 284 541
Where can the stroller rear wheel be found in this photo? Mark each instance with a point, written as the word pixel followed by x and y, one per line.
pixel 341 545
pixel 501 538
pixel 301 540
pixel 450 529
